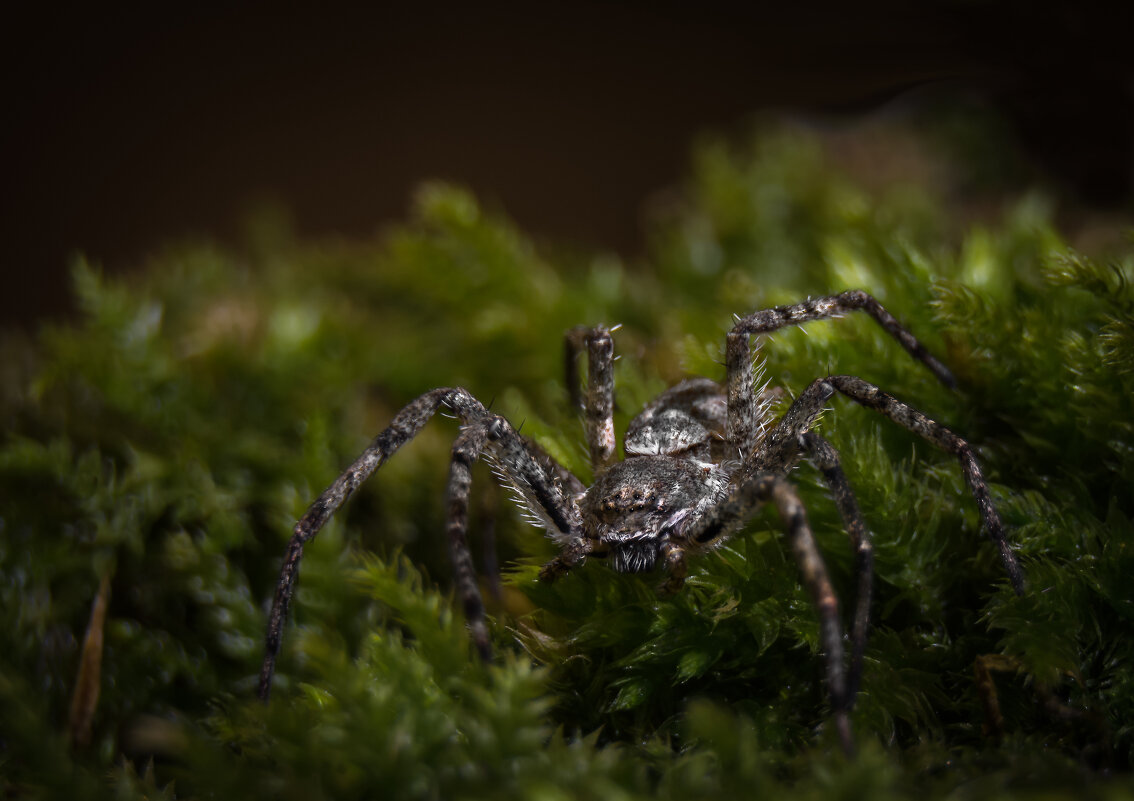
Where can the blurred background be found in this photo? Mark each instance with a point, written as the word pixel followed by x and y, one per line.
pixel 127 129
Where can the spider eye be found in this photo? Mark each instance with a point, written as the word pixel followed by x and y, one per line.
pixel 628 498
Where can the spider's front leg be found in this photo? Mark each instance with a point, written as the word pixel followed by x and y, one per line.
pixel 404 427
pixel 525 469
pixel 741 505
pixel 537 479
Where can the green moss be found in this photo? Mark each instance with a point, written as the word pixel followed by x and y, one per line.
pixel 171 436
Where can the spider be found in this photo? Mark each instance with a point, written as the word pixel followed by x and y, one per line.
pixel 700 461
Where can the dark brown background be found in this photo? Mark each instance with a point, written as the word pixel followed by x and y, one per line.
pixel 124 129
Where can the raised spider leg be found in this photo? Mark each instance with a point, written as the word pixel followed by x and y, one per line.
pixel 826 459
pixel 784 440
pixel 768 320
pixel 741 505
pixel 747 411
pixel 598 409
pixel 529 475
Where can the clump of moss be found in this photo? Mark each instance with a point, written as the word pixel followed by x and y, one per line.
pixel 162 445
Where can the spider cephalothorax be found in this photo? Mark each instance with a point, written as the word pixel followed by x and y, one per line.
pixel 636 506
pixel 701 460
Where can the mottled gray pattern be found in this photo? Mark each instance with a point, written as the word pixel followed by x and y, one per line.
pixel 701 460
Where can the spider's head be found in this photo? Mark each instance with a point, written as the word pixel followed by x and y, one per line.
pixel 635 506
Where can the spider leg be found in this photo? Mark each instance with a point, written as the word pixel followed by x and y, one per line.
pixel 404 427
pixel 598 409
pixel 573 553
pixel 747 406
pixel 543 494
pixel 466 450
pixel 510 453
pixel 676 567
pixel 574 548
pixel 538 480
pixel 781 448
pixel 818 583
pixel 826 459
pixel 768 320
pixel 742 504
pixel 568 480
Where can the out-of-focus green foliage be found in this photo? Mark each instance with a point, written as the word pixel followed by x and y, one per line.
pixel 169 438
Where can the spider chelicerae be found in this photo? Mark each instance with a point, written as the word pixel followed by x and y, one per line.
pixel 701 460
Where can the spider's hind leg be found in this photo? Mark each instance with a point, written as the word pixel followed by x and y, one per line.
pixel 742 504
pixel 818 583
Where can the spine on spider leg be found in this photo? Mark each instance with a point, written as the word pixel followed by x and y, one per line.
pixel 538 483
pixel 749 401
pixel 780 449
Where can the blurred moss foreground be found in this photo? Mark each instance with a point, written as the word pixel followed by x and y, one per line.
pixel 157 451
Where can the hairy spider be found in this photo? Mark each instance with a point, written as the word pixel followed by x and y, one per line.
pixel 701 460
